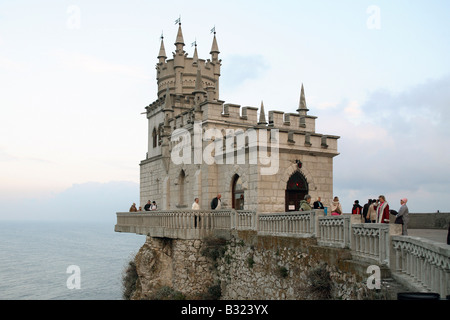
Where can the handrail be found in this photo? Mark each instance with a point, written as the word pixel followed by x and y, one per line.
pixel 421 261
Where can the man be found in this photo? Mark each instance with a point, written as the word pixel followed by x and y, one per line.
pixel 403 213
pixel 305 204
pixel 366 211
pixel 147 206
pixel 318 204
pixel 195 205
pixel 153 206
pixel 216 203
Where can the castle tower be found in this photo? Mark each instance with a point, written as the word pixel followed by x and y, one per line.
pixel 199 146
pixel 180 73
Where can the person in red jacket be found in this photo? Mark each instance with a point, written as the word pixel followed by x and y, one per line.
pixel 382 210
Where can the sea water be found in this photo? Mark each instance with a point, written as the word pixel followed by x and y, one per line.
pixel 64 260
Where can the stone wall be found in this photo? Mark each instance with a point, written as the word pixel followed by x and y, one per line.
pixel 437 220
pixel 250 266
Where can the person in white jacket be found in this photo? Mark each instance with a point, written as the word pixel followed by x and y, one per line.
pixel 195 205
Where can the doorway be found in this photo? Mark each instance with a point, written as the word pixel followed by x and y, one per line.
pixel 296 190
pixel 237 193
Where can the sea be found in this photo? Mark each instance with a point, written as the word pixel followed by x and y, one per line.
pixel 41 260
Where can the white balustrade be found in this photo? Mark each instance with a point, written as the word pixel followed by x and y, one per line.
pixel 424 262
pixel 370 242
pixel 295 224
pixel 334 231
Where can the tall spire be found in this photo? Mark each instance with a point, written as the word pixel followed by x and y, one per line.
pixel 302 109
pixel 168 101
pixel 179 39
pixel 199 92
pixel 262 115
pixel 162 51
pixel 195 58
pixel 214 48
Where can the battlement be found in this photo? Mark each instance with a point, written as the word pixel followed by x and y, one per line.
pixel 188 90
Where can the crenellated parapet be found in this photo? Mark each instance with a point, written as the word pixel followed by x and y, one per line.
pixel 188 91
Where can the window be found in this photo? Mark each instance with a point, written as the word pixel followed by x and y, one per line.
pixel 238 193
pixel 155 137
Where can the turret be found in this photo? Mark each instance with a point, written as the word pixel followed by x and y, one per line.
pixel 162 52
pixel 262 116
pixel 216 63
pixel 302 109
pixel 179 61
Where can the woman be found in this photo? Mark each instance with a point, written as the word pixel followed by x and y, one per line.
pixel 133 208
pixel 336 208
pixel 372 212
pixel 382 210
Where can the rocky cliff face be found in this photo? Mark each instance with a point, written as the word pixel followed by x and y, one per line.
pixel 178 264
pixel 251 267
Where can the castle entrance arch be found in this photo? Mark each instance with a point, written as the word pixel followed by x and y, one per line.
pixel 296 189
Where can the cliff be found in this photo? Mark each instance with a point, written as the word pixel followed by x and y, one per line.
pixel 250 266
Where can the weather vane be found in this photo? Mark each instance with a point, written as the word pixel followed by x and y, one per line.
pixel 178 20
pixel 213 29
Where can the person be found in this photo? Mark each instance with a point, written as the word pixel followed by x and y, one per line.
pixel 305 204
pixel 153 206
pixel 372 212
pixel 382 210
pixel 336 208
pixel 318 204
pixel 403 216
pixel 133 208
pixel 357 208
pixel 195 205
pixel 140 208
pixel 216 203
pixel 366 211
pixel 147 206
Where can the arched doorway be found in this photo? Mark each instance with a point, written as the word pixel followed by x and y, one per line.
pixel 296 189
pixel 237 193
pixel 182 189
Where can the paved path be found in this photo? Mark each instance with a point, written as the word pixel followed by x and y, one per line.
pixel 438 235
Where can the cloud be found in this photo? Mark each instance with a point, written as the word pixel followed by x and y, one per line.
pixel 397 145
pixel 240 68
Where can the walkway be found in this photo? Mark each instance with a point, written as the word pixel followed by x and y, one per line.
pixel 438 235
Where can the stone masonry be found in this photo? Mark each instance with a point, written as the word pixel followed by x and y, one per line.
pixel 188 111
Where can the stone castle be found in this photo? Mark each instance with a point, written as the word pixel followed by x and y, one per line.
pixel 200 146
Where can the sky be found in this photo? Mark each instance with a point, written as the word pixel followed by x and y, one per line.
pixel 75 77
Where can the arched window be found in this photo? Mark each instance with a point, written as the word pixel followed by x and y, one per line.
pixel 238 193
pixel 155 137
